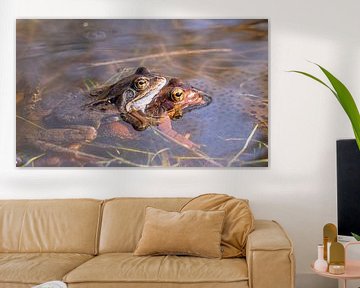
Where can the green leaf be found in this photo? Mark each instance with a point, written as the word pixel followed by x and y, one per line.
pixel 344 97
pixel 347 102
pixel 357 237
pixel 314 78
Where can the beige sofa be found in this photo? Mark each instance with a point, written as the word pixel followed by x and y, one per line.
pixel 89 243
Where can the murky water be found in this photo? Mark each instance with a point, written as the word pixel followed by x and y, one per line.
pixel 228 59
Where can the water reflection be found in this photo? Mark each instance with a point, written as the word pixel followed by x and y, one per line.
pixel 226 58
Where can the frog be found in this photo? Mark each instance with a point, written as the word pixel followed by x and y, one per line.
pixel 174 100
pixel 130 95
pixel 158 107
pixel 66 120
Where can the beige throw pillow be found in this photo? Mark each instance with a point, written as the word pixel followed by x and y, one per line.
pixel 239 220
pixel 194 232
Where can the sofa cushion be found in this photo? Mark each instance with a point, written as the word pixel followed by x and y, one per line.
pixel 126 268
pixel 36 268
pixel 193 232
pixel 123 220
pixel 63 226
pixel 239 220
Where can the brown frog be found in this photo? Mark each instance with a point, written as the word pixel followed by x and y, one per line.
pixel 130 95
pixel 157 107
pixel 174 99
pixel 64 121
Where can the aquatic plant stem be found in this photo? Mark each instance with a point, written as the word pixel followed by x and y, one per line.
pixel 160 55
pixel 244 147
pixel 31 161
pixel 123 160
pixel 30 122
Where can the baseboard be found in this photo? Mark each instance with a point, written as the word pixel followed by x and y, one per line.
pixel 310 280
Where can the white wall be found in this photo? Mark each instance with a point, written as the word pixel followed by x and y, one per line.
pixel 299 187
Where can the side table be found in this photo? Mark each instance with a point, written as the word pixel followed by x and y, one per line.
pixel 352 269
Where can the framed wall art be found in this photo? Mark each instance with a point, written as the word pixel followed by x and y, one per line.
pixel 142 93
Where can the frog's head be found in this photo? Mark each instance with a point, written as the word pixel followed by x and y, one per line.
pixel 130 93
pixel 176 98
pixel 142 88
pixel 144 82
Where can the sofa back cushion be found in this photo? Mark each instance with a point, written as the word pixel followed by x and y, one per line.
pixel 66 226
pixel 123 220
pixel 193 232
pixel 238 224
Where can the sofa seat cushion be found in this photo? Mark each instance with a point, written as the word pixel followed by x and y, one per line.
pixel 125 267
pixel 36 268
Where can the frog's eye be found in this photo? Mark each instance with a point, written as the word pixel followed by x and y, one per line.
pixel 141 83
pixel 177 94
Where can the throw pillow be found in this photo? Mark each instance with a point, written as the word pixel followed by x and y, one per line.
pixel 196 233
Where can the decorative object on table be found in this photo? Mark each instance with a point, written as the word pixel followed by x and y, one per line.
pixel 344 97
pixel 329 236
pixel 51 284
pixel 333 252
pixel 349 270
pixel 337 258
pixel 336 269
pixel 201 101
pixel 320 264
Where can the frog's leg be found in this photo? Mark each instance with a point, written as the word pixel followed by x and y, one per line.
pixel 69 151
pixel 137 119
pixel 65 141
pixel 116 129
pixel 166 128
pixel 65 136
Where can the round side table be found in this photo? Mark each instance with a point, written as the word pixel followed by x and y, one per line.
pixel 352 269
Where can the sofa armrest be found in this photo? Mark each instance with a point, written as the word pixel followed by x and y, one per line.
pixel 269 256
